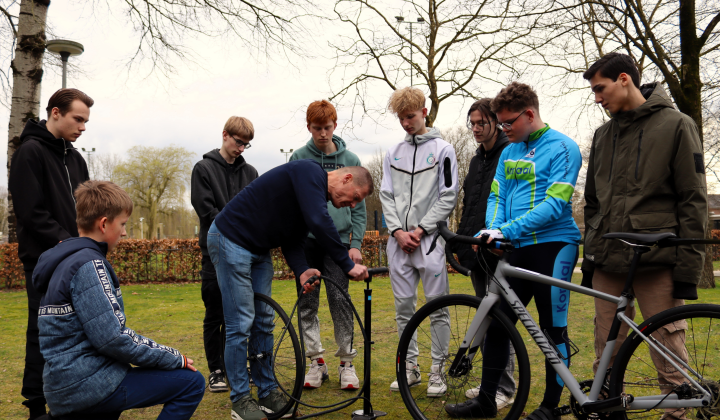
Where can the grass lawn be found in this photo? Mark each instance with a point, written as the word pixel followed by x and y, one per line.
pixel 172 315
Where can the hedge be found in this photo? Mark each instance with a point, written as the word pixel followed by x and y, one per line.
pixel 178 260
pixel 168 260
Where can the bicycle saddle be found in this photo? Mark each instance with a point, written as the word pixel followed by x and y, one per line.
pixel 641 238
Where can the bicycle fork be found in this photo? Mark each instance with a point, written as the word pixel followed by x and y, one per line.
pixel 474 337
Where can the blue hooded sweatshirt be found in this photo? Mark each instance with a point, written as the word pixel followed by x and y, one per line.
pixel 83 338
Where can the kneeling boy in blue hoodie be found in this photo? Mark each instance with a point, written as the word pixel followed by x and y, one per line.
pixel 87 347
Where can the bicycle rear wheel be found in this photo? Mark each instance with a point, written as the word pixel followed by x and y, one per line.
pixel 459 311
pixel 696 329
pixel 284 359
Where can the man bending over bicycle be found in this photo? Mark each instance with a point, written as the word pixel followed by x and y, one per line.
pixel 278 209
pixel 657 184
pixel 529 205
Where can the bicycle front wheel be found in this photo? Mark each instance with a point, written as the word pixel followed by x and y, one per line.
pixel 690 333
pixel 426 331
pixel 284 359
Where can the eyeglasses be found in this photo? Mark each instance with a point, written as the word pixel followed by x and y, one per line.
pixel 508 125
pixel 240 143
pixel 480 124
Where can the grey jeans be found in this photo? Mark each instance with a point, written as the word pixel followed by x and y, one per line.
pixel 340 312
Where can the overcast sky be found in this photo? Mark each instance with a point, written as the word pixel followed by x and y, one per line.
pixel 190 108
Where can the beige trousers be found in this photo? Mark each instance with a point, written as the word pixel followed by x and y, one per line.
pixel 653 294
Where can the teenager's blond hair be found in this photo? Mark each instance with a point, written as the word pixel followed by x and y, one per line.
pixel 240 126
pixel 407 99
pixel 96 199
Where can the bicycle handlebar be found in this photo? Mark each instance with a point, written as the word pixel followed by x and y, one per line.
pixel 451 236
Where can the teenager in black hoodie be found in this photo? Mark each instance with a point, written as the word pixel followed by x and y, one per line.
pixel 215 181
pixel 44 172
pixel 491 141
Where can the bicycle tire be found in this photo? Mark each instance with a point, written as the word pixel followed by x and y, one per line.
pixel 461 309
pixel 287 358
pixel 634 372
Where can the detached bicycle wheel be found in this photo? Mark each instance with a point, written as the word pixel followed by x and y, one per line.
pixel 279 353
pixel 692 334
pixel 426 330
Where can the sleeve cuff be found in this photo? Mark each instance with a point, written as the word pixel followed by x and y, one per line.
pixel 393 232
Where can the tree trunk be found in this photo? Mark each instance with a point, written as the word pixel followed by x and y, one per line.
pixel 27 75
pixel 689 101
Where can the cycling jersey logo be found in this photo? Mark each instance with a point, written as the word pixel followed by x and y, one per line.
pixel 531 154
pixel 431 159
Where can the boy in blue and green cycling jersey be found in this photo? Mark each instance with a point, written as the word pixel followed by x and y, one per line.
pixel 530 204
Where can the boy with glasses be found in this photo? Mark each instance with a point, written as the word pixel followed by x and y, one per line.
pixel 530 205
pixel 330 151
pixel 419 189
pixel 216 179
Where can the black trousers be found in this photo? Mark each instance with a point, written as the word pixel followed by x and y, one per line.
pixel 554 259
pixel 32 388
pixel 214 322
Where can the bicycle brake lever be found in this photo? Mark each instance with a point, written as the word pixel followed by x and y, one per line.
pixel 434 242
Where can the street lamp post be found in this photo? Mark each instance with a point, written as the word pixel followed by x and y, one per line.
pixel 89 151
pixel 420 21
pixel 286 153
pixel 65 49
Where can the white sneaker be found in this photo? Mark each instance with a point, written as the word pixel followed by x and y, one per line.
pixel 348 377
pixel 413 377
pixel 436 383
pixel 501 399
pixel 317 374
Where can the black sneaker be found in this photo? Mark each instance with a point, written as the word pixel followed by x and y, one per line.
pixel 217 382
pixel 543 413
pixel 274 402
pixel 246 408
pixel 481 407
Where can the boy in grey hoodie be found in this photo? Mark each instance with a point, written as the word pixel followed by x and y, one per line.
pixel 329 150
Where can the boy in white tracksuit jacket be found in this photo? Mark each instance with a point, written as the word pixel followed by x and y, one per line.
pixel 419 189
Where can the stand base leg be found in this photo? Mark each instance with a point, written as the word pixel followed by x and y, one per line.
pixel 361 415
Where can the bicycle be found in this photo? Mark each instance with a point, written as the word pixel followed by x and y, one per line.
pixel 286 359
pixel 629 389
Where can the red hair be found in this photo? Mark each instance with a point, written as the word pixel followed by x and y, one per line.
pixel 320 111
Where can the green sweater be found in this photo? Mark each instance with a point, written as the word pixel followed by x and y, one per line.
pixel 347 220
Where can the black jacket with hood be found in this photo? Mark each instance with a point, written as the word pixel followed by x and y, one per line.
pixel 477 190
pixel 44 173
pixel 214 183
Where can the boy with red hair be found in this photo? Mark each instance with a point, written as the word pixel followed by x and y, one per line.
pixel 330 151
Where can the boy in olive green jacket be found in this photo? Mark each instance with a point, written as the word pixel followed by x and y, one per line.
pixel 645 174
pixel 330 151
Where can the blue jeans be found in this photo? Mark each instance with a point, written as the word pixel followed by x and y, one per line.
pixel 180 390
pixel 240 275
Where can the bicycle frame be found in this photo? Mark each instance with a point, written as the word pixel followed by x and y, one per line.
pixel 501 289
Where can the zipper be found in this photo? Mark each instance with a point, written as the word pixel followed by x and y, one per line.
pixel 637 164
pixel 412 178
pixel 612 156
pixel 68 174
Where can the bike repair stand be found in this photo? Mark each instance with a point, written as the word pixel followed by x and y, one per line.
pixel 367 413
